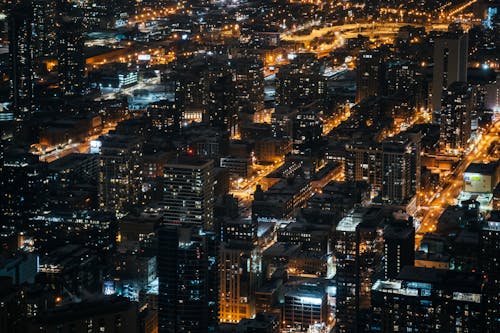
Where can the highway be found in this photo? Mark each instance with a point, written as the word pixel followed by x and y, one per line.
pixel 437 201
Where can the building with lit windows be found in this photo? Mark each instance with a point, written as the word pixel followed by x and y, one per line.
pixel 489 262
pixel 429 300
pixel 305 305
pixel 21 59
pixel 189 192
pixel 240 274
pixel 358 257
pixel 450 65
pixel 70 57
pixel 369 74
pixel 187 274
pixel 301 82
pixel 120 173
pixel 307 131
pixel 456 108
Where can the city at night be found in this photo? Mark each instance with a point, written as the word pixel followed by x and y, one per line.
pixel 248 166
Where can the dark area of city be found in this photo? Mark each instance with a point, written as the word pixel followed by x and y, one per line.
pixel 249 166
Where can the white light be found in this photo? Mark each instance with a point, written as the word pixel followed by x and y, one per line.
pixel 310 300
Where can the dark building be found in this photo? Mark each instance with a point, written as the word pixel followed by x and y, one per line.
pixel 369 74
pixel 429 300
pixel 456 109
pixel 399 247
pixel 113 314
pixel 307 131
pixel 187 273
pixel 358 252
pixel 450 65
pixel 301 82
pixel 70 57
pixel 21 59
pixel 44 28
pixel 489 244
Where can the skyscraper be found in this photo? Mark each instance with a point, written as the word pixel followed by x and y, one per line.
pixel 239 271
pixel 358 254
pixel 450 65
pixel 401 167
pixel 399 247
pixel 187 274
pixel 44 28
pixel 70 56
pixel 456 110
pixel 120 174
pixel 189 192
pixel 21 59
pixel 369 74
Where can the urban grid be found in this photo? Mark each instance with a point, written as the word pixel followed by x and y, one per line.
pixel 242 166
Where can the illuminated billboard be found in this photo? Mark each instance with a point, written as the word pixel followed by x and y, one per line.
pixel 477 183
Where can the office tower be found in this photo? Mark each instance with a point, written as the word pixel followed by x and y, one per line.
pixel 305 305
pixel 248 78
pixel 21 59
pixel 120 173
pixel 70 57
pixel 189 192
pixel 489 244
pixel 369 74
pixel 187 275
pixel 301 82
pixel 44 28
pixel 429 300
pixel 450 65
pixel 455 128
pixel 220 104
pixel 358 255
pixel 404 78
pixel 400 167
pixel 363 161
pixel 24 191
pixel 399 247
pixel 239 272
pixel 307 131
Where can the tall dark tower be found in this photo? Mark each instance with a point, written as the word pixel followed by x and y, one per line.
pixel 44 28
pixel 450 65
pixel 187 273
pixel 70 56
pixel 21 59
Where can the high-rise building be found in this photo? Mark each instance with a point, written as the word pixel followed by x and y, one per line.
pixel 70 57
pixel 187 276
pixel 358 253
pixel 248 77
pixel 455 128
pixel 120 173
pixel 21 59
pixel 399 247
pixel 301 82
pixel 363 161
pixel 369 74
pixel 490 266
pixel 189 192
pixel 429 300
pixel 450 65
pixel 44 28
pixel 307 131
pixel 401 167
pixel 239 271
